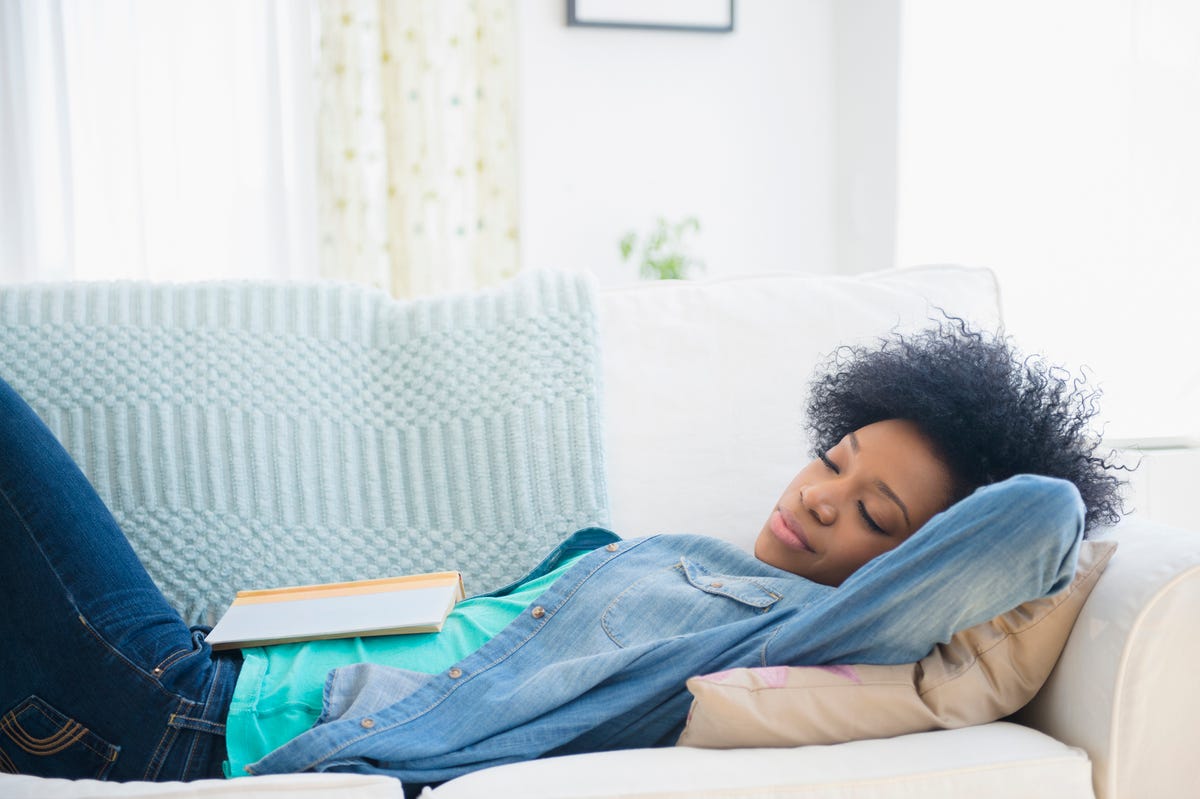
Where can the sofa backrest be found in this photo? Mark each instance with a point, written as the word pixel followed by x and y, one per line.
pixel 705 383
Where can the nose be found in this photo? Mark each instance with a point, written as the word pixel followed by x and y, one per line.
pixel 820 500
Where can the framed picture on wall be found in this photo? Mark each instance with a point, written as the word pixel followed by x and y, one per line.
pixel 708 16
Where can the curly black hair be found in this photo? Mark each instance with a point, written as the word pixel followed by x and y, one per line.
pixel 989 412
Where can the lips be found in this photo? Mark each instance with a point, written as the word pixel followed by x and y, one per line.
pixel 786 528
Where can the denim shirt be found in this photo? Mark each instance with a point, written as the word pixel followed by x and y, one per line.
pixel 600 659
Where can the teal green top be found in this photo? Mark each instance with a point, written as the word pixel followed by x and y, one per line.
pixel 279 689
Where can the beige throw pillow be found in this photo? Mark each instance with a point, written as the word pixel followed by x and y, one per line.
pixel 984 673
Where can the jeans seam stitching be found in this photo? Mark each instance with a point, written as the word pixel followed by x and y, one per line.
pixel 87 626
pixel 171 660
pixel 165 742
pixel 7 766
pixel 186 773
pixel 63 738
pixel 79 735
pixel 219 728
pixel 70 596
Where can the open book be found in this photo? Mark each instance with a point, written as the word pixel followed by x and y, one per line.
pixel 417 603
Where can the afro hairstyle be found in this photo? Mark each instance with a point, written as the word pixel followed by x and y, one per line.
pixel 989 412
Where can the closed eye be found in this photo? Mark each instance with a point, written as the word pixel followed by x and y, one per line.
pixel 830 464
pixel 862 509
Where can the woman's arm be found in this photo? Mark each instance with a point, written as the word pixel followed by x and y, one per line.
pixel 1003 545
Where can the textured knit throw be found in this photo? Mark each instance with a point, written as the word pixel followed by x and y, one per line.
pixel 251 435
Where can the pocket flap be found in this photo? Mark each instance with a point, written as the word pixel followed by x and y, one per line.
pixel 742 589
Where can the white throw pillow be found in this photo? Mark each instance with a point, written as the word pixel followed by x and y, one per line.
pixel 705 383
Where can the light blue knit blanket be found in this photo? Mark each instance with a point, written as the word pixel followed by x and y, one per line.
pixel 249 435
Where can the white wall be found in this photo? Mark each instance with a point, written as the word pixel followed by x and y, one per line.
pixel 617 127
pixel 1073 172
pixel 866 36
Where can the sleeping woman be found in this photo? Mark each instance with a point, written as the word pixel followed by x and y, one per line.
pixel 951 481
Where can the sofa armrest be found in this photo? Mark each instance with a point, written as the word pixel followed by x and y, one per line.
pixel 1125 688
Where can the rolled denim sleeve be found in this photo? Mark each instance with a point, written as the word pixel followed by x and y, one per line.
pixel 1005 544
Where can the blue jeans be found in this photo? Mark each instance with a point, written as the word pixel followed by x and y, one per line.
pixel 99 677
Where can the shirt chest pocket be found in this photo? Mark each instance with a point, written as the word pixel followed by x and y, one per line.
pixel 684 599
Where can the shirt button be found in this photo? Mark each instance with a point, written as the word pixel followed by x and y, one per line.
pixel 455 673
pixel 368 723
pixel 611 547
pixel 538 612
pixel 718 585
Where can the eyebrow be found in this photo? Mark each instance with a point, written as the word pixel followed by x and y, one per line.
pixel 883 487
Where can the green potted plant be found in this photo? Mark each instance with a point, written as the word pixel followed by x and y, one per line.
pixel 663 253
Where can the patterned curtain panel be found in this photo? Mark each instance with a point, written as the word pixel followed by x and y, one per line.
pixel 416 143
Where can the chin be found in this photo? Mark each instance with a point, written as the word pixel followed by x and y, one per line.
pixel 758 547
pixel 770 558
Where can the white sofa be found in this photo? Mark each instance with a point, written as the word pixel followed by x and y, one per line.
pixel 703 392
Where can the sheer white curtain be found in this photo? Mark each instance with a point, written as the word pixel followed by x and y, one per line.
pixel 156 139
pixel 1056 143
pixel 366 140
pixel 416 143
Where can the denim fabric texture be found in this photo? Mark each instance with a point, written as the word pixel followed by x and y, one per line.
pixel 599 660
pixel 99 676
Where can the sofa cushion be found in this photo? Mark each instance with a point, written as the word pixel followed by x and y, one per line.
pixel 983 673
pixel 275 786
pixel 993 761
pixel 705 383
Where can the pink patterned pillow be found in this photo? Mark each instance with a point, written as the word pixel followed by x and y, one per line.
pixel 983 674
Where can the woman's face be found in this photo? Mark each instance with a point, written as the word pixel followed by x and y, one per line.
pixel 861 498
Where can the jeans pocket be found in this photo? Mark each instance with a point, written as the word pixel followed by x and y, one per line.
pixel 37 739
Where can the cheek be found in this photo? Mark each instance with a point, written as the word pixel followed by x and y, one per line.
pixel 880 547
pixel 858 547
